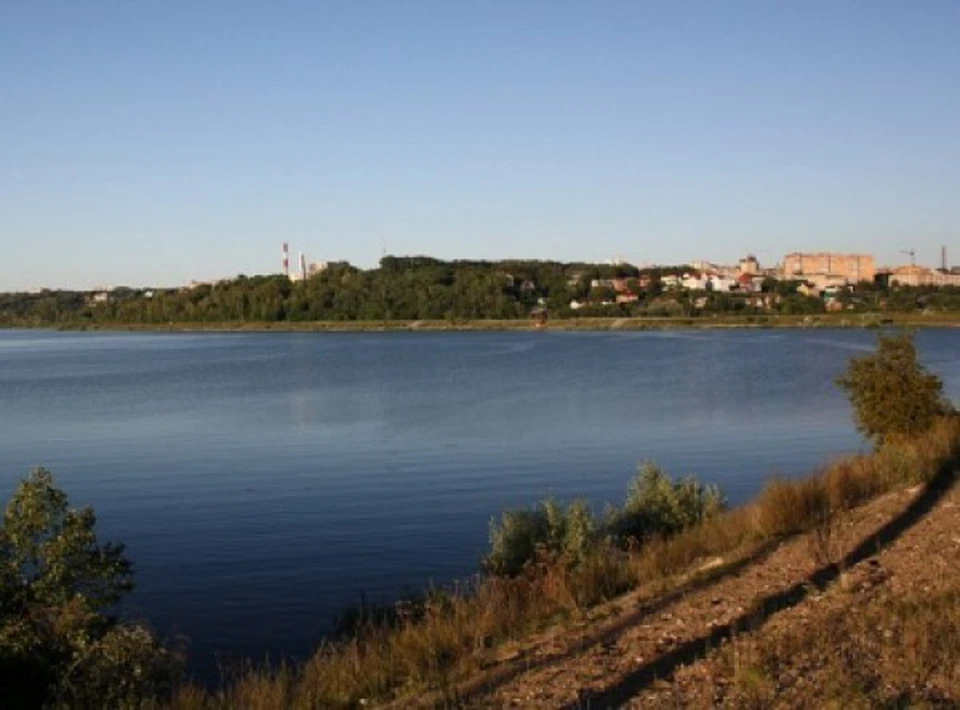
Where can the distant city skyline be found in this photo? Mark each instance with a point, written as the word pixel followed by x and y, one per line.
pixel 313 267
pixel 155 144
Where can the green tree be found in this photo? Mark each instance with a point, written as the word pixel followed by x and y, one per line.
pixel 798 304
pixel 59 644
pixel 892 394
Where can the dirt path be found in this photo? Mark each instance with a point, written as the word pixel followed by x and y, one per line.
pixel 675 652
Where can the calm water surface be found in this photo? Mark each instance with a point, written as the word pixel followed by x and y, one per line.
pixel 263 482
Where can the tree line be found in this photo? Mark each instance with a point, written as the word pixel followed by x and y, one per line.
pixel 423 288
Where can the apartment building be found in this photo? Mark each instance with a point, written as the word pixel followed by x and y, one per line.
pixel 826 269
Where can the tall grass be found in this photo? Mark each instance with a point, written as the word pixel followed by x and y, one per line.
pixel 566 569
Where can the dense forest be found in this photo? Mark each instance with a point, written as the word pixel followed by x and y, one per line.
pixel 422 288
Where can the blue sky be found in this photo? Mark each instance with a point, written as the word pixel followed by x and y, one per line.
pixel 159 142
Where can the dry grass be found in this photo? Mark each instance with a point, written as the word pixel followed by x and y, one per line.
pixel 454 635
pixel 895 652
pixel 788 507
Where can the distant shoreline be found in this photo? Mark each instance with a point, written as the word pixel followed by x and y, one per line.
pixel 830 320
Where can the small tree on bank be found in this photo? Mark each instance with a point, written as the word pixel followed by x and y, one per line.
pixel 892 394
pixel 59 644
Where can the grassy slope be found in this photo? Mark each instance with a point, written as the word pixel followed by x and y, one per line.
pixel 884 632
pixel 460 645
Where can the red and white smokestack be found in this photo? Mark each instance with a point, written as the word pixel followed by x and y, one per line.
pixel 303 267
pixel 286 260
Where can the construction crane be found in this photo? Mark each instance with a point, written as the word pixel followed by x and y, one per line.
pixel 913 256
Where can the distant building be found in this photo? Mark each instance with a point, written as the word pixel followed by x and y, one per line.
pixel 920 276
pixel 749 265
pixel 750 283
pixel 825 269
pixel 808 289
pixel 718 283
pixel 308 270
pixel 946 278
pixel 692 282
pixel 602 283
pixel 911 276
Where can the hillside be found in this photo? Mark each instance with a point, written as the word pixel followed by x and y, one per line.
pixel 862 613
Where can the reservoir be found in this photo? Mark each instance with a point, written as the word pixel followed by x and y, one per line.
pixel 264 482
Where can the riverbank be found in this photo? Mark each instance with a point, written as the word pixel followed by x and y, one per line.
pixel 864 615
pixel 622 627
pixel 826 320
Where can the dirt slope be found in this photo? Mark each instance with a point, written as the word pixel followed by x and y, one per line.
pixel 866 611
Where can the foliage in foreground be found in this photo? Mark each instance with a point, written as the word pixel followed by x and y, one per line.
pixel 59 646
pixel 656 506
pixel 439 643
pixel 892 394
pixel 456 634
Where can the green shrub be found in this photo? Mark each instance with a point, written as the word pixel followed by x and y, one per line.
pixel 892 394
pixel 517 537
pixel 658 506
pixel 655 506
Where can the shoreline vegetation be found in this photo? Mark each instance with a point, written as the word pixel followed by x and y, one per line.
pixel 949 319
pixel 550 567
pixel 423 293
pixel 447 648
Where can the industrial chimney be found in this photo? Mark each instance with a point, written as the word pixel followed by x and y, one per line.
pixel 286 260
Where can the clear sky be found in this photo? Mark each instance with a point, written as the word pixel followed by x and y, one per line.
pixel 159 142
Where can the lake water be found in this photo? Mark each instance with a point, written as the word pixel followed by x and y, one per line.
pixel 263 482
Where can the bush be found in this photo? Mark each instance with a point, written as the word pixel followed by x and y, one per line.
pixel 58 645
pixel 549 527
pixel 892 394
pixel 656 505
